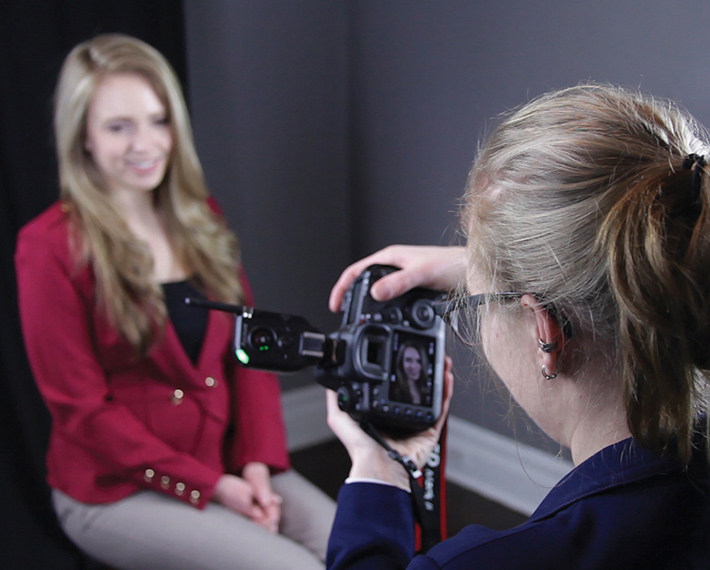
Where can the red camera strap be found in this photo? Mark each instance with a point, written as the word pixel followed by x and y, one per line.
pixel 429 499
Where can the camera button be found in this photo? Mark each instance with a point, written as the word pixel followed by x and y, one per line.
pixel 393 314
pixel 395 410
pixel 408 412
pixel 385 408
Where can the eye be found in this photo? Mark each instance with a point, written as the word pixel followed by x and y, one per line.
pixel 118 126
pixel 162 121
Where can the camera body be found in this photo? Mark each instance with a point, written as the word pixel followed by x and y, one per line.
pixel 386 361
pixel 392 370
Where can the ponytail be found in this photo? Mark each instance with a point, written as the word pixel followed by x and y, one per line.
pixel 658 244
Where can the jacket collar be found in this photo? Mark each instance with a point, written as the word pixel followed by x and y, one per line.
pixel 618 464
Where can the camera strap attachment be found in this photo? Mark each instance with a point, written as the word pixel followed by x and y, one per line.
pixel 427 496
pixel 404 460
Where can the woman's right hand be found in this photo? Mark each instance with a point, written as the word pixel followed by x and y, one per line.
pixel 240 496
pixel 435 267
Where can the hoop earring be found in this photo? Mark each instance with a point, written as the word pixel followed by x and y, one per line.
pixel 547 346
pixel 547 376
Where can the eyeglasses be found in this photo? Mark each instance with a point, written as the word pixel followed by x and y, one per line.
pixel 452 312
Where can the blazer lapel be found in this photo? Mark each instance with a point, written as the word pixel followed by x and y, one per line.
pixel 170 356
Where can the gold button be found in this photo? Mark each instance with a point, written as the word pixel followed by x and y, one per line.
pixel 165 481
pixel 148 475
pixel 179 489
pixel 194 497
pixel 211 382
pixel 177 397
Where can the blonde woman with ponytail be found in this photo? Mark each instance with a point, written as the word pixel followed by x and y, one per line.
pixel 163 453
pixel 589 209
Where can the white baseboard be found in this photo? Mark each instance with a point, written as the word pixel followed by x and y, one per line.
pixel 497 467
pixel 305 415
pixel 513 474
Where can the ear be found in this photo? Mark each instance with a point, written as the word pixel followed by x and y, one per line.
pixel 549 333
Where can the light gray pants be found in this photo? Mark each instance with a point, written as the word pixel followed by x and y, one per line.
pixel 151 531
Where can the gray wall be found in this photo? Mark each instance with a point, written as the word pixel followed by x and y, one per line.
pixel 270 111
pixel 330 128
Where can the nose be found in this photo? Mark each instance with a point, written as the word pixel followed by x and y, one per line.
pixel 143 139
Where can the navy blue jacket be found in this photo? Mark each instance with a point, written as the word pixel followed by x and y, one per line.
pixel 624 508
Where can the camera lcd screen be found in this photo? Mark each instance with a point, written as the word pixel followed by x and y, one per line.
pixel 412 372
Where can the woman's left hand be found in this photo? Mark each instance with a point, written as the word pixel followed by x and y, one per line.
pixel 370 459
pixel 259 477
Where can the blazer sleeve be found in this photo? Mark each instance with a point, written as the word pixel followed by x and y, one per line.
pixel 55 314
pixel 373 529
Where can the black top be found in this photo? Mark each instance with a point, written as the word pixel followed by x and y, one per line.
pixel 189 322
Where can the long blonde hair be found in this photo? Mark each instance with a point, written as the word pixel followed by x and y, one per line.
pixel 581 197
pixel 122 265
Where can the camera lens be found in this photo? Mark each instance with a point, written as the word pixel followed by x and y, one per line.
pixel 422 313
pixel 262 338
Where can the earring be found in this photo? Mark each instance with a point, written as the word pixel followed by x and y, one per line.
pixel 546 375
pixel 547 346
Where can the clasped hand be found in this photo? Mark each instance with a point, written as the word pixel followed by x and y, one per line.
pixel 251 495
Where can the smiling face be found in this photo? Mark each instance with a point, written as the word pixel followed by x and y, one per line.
pixel 412 363
pixel 128 134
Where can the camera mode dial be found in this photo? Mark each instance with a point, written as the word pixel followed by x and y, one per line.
pixel 422 314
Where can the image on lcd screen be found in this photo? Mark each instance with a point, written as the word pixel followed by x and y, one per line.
pixel 411 376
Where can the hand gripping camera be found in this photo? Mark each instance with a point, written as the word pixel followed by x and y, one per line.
pixel 386 361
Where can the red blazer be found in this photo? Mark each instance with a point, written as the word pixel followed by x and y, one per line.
pixel 120 424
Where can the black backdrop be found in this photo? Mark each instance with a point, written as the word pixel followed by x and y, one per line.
pixel 35 36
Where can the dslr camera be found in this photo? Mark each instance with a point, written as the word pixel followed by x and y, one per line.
pixel 385 362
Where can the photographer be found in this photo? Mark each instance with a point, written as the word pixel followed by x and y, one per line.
pixel 586 281
pixel 163 452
